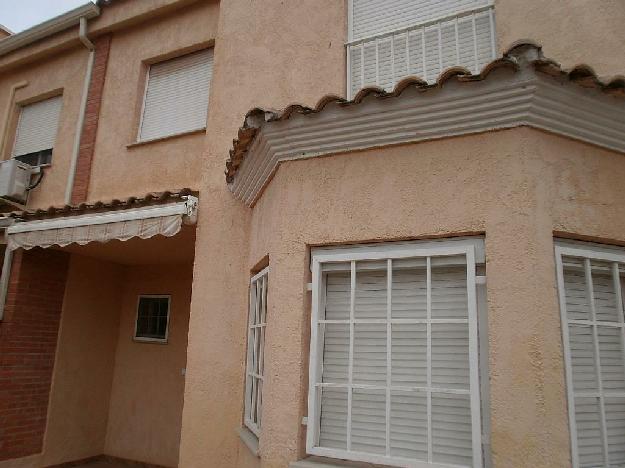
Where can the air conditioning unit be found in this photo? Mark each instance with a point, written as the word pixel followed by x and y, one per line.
pixel 15 179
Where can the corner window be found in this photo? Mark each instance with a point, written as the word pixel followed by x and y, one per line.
pixel 392 39
pixel 152 318
pixel 176 96
pixel 394 374
pixel 591 284
pixel 36 131
pixel 255 369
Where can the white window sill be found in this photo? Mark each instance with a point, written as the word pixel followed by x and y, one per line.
pixel 249 439
pixel 166 137
pixel 314 462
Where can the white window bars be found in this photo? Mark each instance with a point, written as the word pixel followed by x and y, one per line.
pixel 394 373
pixel 424 50
pixel 254 377
pixel 590 284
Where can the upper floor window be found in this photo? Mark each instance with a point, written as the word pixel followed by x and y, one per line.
pixel 36 131
pixel 152 318
pixel 255 369
pixel 394 375
pixel 591 281
pixel 392 39
pixel 176 96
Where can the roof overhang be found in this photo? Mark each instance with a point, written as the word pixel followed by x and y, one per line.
pixel 48 28
pixel 520 89
pixel 122 224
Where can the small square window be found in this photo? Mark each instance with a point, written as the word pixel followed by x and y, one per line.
pixel 152 318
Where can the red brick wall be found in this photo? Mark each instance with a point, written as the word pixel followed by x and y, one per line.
pixel 28 337
pixel 92 115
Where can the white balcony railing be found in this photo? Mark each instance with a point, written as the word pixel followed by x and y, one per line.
pixel 424 50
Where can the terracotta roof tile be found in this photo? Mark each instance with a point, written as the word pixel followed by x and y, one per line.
pixel 153 198
pixel 582 75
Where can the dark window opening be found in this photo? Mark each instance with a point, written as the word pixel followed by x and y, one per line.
pixel 152 318
pixel 38 158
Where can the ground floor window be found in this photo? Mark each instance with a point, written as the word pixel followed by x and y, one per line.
pixel 254 377
pixel 152 318
pixel 394 374
pixel 591 284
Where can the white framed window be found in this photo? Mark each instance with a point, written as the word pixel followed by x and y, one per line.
pixel 36 131
pixel 389 40
pixel 394 361
pixel 176 96
pixel 255 368
pixel 590 286
pixel 152 323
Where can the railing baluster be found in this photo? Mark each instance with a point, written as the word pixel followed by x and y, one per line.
pixel 474 32
pixel 377 63
pixel 408 52
pixel 425 70
pixel 362 66
pixel 392 62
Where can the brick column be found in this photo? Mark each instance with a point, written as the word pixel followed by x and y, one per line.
pixel 28 338
pixel 92 116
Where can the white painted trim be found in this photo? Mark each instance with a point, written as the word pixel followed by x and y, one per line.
pixel 185 208
pixel 48 28
pixel 147 339
pixel 506 99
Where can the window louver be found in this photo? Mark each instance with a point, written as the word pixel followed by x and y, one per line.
pixel 176 97
pixel 591 300
pixel 37 126
pixel 394 375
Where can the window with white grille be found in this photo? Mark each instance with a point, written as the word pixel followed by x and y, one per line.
pixel 176 96
pixel 590 281
pixel 394 375
pixel 392 39
pixel 254 377
pixel 36 131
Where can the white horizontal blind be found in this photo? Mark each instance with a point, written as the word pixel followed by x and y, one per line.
pixel 591 301
pixel 395 378
pixel 176 98
pixel 466 38
pixel 37 126
pixel 254 377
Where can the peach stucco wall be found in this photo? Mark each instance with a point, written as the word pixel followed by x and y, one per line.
pixel 79 401
pixel 148 381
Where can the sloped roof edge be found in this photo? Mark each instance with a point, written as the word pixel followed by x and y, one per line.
pixel 520 53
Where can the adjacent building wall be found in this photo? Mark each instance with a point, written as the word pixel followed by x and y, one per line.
pixel 148 382
pixel 81 390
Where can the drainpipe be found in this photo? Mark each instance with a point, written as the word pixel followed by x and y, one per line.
pixel 82 35
pixel 7 114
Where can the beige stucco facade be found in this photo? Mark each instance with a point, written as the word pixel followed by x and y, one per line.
pixel 181 404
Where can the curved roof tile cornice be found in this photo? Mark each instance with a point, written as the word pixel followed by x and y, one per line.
pixel 520 88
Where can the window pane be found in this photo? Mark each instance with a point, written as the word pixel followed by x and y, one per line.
pixel 612 360
pixel 449 292
pixel 369 354
pixel 582 349
pixel 615 422
pixel 370 299
pixel 589 442
pixel 333 425
pixel 409 294
pixel 577 303
pixel 369 421
pixel 152 317
pixel 335 353
pixel 409 355
pixel 338 296
pixel 409 434
pixel 603 292
pixel 451 429
pixel 450 355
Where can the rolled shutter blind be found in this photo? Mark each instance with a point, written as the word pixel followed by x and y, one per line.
pixel 37 126
pixel 176 99
pixel 449 367
pixel 372 17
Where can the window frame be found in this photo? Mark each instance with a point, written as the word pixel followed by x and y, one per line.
pixel 145 339
pixel 586 252
pixel 255 427
pixel 390 251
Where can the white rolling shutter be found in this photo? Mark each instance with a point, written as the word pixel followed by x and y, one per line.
pixel 394 375
pixel 37 126
pixel 590 281
pixel 176 97
pixel 390 40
